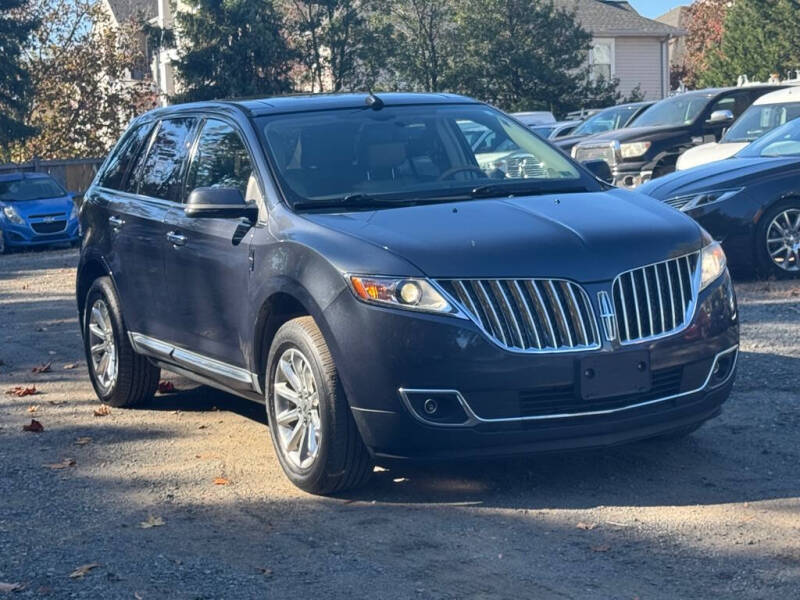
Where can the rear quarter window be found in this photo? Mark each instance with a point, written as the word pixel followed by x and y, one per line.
pixel 113 176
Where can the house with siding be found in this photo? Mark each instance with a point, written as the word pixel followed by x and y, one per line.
pixel 626 45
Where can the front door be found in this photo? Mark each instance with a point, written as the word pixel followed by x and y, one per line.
pixel 207 261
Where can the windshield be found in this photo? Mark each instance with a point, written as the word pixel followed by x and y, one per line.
pixel 30 189
pixel 542 131
pixel 407 153
pixel 678 110
pixel 606 120
pixel 758 120
pixel 783 141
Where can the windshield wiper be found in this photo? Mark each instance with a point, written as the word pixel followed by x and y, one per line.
pixel 506 190
pixel 366 201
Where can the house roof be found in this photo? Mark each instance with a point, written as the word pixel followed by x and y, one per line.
pixel 125 10
pixel 675 17
pixel 614 18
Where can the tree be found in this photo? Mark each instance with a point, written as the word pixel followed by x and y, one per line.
pixel 16 26
pixel 524 55
pixel 231 48
pixel 80 67
pixel 424 38
pixel 705 25
pixel 760 38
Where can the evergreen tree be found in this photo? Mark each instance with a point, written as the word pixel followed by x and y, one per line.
pixel 526 55
pixel 760 38
pixel 15 29
pixel 231 48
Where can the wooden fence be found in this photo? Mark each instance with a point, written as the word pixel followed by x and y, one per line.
pixel 75 174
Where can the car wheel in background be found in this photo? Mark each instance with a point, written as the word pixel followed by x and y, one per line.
pixel 2 242
pixel 120 376
pixel 312 429
pixel 778 241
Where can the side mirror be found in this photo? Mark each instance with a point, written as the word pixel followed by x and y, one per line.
pixel 600 169
pixel 720 116
pixel 220 203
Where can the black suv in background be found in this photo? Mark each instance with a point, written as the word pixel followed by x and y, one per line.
pixel 397 277
pixel 650 146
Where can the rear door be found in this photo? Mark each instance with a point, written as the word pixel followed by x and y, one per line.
pixel 136 224
pixel 207 261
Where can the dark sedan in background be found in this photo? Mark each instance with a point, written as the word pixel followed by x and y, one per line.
pixel 35 211
pixel 750 202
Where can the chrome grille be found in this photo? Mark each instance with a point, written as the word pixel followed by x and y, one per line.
pixel 656 300
pixel 606 152
pixel 528 315
pixel 679 202
pixel 525 167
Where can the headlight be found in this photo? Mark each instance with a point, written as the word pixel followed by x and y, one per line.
pixel 690 201
pixel 400 292
pixel 12 215
pixel 633 149
pixel 712 264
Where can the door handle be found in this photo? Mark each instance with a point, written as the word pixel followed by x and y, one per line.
pixel 176 239
pixel 115 222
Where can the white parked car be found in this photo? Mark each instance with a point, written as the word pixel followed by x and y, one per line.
pixel 765 114
pixel 536 117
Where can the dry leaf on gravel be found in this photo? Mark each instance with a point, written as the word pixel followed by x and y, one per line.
pixel 71 366
pixel 33 408
pixel 586 526
pixel 103 411
pixel 43 368
pixel 34 427
pixel 165 387
pixel 82 441
pixel 10 587
pixel 19 391
pixel 601 548
pixel 221 481
pixel 151 522
pixel 83 570
pixel 64 464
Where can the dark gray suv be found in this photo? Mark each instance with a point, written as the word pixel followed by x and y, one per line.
pixel 397 277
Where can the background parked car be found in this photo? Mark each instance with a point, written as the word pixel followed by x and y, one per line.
pixel 533 118
pixel 35 210
pixel 651 145
pixel 557 130
pixel 610 119
pixel 750 202
pixel 767 112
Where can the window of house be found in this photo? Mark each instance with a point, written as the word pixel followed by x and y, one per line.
pixel 601 59
pixel 161 170
pixel 220 159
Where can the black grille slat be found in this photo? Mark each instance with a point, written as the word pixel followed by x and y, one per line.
pixel 532 315
pixel 655 300
pixel 51 227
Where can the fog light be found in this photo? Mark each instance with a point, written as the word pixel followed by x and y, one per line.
pixel 436 407
pixel 430 406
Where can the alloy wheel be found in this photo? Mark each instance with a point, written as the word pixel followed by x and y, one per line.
pixel 783 240
pixel 102 346
pixel 295 400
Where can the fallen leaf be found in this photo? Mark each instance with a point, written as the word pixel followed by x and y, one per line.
pixel 10 587
pixel 165 387
pixel 19 391
pixel 103 411
pixel 203 427
pixel 34 427
pixel 33 408
pixel 586 526
pixel 602 548
pixel 71 366
pixel 82 441
pixel 221 481
pixel 64 464
pixel 151 522
pixel 43 368
pixel 83 570
pixel 57 402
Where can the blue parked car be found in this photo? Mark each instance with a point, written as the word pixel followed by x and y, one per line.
pixel 34 211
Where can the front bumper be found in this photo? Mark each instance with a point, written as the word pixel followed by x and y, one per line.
pixel 25 235
pixel 630 175
pixel 381 352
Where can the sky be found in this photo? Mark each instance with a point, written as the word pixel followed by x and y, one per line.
pixel 655 8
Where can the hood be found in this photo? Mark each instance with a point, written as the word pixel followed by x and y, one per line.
pixel 47 206
pixel 628 134
pixel 706 153
pixel 585 236
pixel 568 141
pixel 732 172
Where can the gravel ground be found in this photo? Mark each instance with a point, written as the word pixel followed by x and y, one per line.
pixel 715 515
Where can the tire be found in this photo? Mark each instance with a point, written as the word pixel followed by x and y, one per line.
pixel 767 229
pixel 135 379
pixel 338 460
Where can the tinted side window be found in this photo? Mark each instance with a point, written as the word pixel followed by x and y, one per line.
pixel 160 174
pixel 220 159
pixel 118 166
